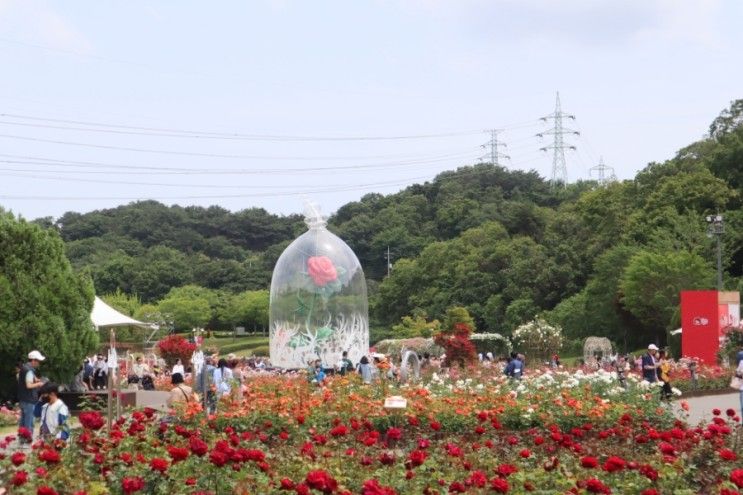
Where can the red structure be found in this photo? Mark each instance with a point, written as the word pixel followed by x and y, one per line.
pixel 704 316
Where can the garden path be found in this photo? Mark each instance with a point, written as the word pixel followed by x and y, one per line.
pixel 700 408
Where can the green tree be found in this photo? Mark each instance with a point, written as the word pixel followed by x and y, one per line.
pixel 189 306
pixel 44 304
pixel 416 325
pixel 457 314
pixel 127 304
pixel 652 283
pixel 248 309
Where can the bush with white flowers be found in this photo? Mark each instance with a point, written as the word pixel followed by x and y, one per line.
pixel 538 340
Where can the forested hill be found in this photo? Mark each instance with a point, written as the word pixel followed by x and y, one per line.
pixel 600 260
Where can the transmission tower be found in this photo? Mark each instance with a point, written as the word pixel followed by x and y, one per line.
pixel 558 147
pixel 601 169
pixel 494 155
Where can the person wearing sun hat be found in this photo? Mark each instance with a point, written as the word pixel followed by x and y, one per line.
pixel 650 364
pixel 28 385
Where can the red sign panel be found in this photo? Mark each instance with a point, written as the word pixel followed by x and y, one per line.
pixel 700 323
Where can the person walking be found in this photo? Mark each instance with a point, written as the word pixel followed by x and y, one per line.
pixel 515 367
pixel 178 368
pixel 180 392
pixel 664 375
pixel 28 393
pixel 650 364
pixel 222 376
pixel 345 365
pixel 365 370
pixel 53 414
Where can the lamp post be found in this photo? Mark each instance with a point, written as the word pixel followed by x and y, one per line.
pixel 716 228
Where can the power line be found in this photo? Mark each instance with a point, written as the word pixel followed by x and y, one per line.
pixel 162 170
pixel 558 147
pixel 180 133
pixel 454 175
pixel 206 186
pixel 156 151
pixel 92 126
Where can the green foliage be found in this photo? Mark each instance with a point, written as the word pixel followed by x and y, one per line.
pixel 457 315
pixel 652 282
pixel 124 303
pixel 416 326
pixel 44 305
pixel 248 309
pixel 189 306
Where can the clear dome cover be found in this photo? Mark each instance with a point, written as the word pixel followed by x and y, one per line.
pixel 318 306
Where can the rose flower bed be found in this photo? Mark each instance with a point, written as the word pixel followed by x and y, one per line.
pixel 551 433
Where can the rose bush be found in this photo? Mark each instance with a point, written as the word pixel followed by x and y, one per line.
pixel 174 347
pixel 473 432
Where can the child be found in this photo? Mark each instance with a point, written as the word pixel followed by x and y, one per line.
pixel 53 413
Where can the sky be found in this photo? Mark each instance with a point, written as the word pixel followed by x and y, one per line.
pixel 266 103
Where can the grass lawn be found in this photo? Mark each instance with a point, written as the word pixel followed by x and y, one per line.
pixel 249 345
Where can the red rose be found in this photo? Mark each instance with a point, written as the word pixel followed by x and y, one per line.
pixel 132 484
pixel 46 490
pixel 25 433
pixel 339 431
pixel 589 462
pixel 159 464
pixel 736 476
pixel 614 463
pixel 19 478
pixel 373 487
pixel 91 420
pixel 499 485
pixel 649 491
pixel 218 458
pixel 394 434
pixel 727 455
pixel 49 456
pixel 321 480
pixel 478 479
pixel 417 457
pixel 435 425
pixel 287 484
pixel 198 446
pixel 716 412
pixel 596 486
pixel 18 458
pixel 506 470
pixel 190 481
pixel 525 453
pixel 177 453
pixel 321 270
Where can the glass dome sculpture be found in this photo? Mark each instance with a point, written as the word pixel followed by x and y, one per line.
pixel 318 300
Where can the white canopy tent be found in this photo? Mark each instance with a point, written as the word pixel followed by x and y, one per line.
pixel 104 316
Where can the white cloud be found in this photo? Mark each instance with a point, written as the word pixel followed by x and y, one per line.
pixel 697 22
pixel 36 21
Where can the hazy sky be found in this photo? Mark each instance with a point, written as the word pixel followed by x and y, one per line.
pixel 251 103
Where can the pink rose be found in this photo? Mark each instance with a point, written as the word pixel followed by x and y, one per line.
pixel 322 270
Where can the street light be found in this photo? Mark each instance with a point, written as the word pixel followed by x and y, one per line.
pixel 717 228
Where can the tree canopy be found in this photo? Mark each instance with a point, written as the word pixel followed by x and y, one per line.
pixel 44 304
